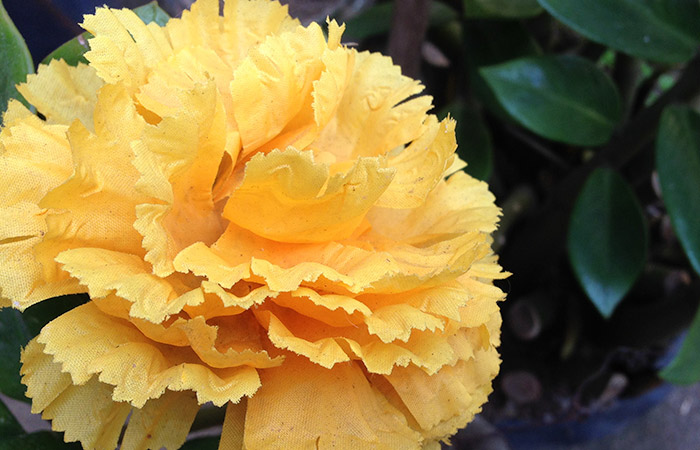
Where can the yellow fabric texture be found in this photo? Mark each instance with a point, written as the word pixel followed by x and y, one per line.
pixel 263 219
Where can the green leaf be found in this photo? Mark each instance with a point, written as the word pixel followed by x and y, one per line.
pixel 151 12
pixel 42 440
pixel 607 239
pixel 678 166
pixel 206 443
pixel 73 51
pixel 685 366
pixel 660 30
pixel 15 335
pixel 473 140
pixel 489 42
pixel 377 20
pixel 16 60
pixel 8 424
pixel 563 98
pixel 501 8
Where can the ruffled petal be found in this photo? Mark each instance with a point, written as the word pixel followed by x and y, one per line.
pixel 298 200
pixel 161 423
pixel 63 93
pixel 374 116
pixel 86 341
pixel 302 405
pixel 124 49
pixel 420 166
pixel 178 161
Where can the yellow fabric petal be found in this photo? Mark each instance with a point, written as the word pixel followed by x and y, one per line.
pixel 124 49
pixel 297 200
pixel 374 116
pixel 302 405
pixel 178 160
pixel 161 423
pixel 86 341
pixel 393 322
pixel 332 309
pixel 43 377
pixel 234 422
pixel 63 93
pixel 87 413
pixel 421 165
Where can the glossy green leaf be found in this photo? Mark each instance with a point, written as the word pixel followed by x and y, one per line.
pixel 489 42
pixel 607 239
pixel 685 366
pixel 16 60
pixel 678 166
pixel 473 140
pixel 377 20
pixel 501 8
pixel 563 98
pixel 73 51
pixel 205 443
pixel 660 30
pixel 42 440
pixel 15 335
pixel 8 424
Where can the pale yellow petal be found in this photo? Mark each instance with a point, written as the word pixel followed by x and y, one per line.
pixel 86 342
pixel 302 405
pixel 420 166
pixel 124 49
pixel 43 377
pixel 298 200
pixel 161 423
pixel 393 322
pixel 87 413
pixel 234 424
pixel 374 116
pixel 178 161
pixel 63 93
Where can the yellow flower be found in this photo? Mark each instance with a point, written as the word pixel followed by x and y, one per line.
pixel 263 219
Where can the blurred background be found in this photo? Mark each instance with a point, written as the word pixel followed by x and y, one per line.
pixel 582 115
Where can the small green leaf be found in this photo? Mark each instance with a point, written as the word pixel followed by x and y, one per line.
pixel 206 443
pixel 73 51
pixel 377 20
pixel 607 240
pixel 151 12
pixel 489 42
pixel 473 140
pixel 685 366
pixel 501 8
pixel 42 440
pixel 8 424
pixel 15 335
pixel 563 98
pixel 678 166
pixel 16 60
pixel 665 31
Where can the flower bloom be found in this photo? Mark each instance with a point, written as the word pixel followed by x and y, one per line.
pixel 263 219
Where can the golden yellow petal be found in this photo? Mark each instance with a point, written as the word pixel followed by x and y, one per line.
pixel 124 49
pixel 161 423
pixel 87 413
pixel 374 117
pixel 86 341
pixel 104 272
pixel 421 165
pixel 272 85
pixel 332 309
pixel 234 423
pixel 63 93
pixel 297 200
pixel 178 161
pixel 43 377
pixel 303 405
pixel 393 322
